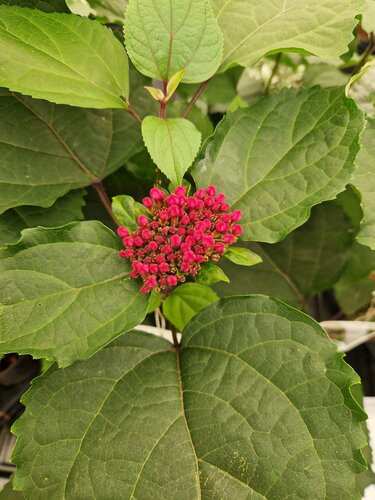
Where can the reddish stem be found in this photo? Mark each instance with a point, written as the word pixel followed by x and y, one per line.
pixel 195 97
pixel 104 198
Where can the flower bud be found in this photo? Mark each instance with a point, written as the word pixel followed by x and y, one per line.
pixel 122 231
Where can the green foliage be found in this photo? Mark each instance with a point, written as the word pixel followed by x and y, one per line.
pixel 245 409
pixel 167 36
pixel 126 211
pixel 64 210
pixel 314 136
pixel 364 180
pixel 252 29
pixel 109 11
pixel 43 5
pixel 186 301
pixel 62 58
pixel 65 293
pixel 242 256
pixel 311 259
pixel 173 144
pixel 210 274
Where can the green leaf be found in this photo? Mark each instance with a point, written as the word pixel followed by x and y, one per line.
pixel 252 29
pixel 186 301
pixel 64 210
pixel 62 58
pixel 64 292
pixel 173 83
pixel 173 144
pixel 290 151
pixel 126 210
pixel 165 37
pixel 364 180
pixel 368 16
pixel 358 76
pixel 256 404
pixel 210 274
pixel 155 301
pixel 356 285
pixel 43 5
pixel 8 493
pixel 363 92
pixel 46 150
pixel 108 11
pixel 325 75
pixel 242 256
pixel 309 260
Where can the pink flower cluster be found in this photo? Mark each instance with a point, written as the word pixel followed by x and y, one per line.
pixel 179 235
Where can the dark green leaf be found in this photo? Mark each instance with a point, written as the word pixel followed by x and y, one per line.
pixel 210 274
pixel 126 210
pixel 64 210
pixel 186 301
pixel 64 292
pixel 43 5
pixel 242 256
pixel 290 151
pixel 109 11
pixel 63 58
pixel 256 404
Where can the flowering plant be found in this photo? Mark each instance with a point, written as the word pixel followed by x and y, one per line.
pixel 181 356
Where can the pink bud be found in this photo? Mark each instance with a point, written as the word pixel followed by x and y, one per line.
pixel 136 264
pixel 192 216
pixel 152 246
pixel 236 215
pixel 128 253
pixel 237 230
pixel 175 241
pixel 160 258
pixel 200 259
pixel 222 227
pixel 200 193
pixel 215 207
pixel 164 267
pixel 185 220
pixel 151 282
pixel 172 280
pixel 154 225
pixel 157 194
pixel 200 204
pixel 180 191
pixel 163 282
pixel 220 198
pixel 163 216
pixel 207 223
pixel 154 268
pixel 145 289
pixel 170 257
pixel 209 201
pixel 228 239
pixel 200 226
pixel 181 231
pixel 173 211
pixel 146 234
pixel 133 274
pixel 211 190
pixel 143 269
pixel 208 241
pixel 122 254
pixel 226 218
pixel 122 231
pixel 219 248
pixel 147 202
pixel 198 249
pixel 138 242
pixel 198 235
pixel 190 240
pixel 172 200
pixel 224 207
pixel 191 203
pixel 166 249
pixel 189 256
pixel 185 267
pixel 185 247
pixel 128 241
pixel 142 220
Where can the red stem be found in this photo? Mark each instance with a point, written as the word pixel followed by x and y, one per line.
pixel 104 198
pixel 195 97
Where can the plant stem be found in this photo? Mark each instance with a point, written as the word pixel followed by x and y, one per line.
pixel 195 97
pixel 274 70
pixel 134 114
pixel 370 47
pixel 176 343
pixel 104 198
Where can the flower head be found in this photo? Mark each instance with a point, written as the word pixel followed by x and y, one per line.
pixel 179 235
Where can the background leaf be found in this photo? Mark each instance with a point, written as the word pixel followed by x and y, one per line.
pixel 126 211
pixel 110 11
pixel 46 150
pixel 43 5
pixel 64 210
pixel 245 409
pixel 290 151
pixel 323 30
pixel 165 37
pixel 242 256
pixel 62 58
pixel 64 292
pixel 310 259
pixel 185 302
pixel 210 274
pixel 173 144
pixel 364 180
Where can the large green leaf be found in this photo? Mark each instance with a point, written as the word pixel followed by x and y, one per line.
pixel 171 35
pixel 64 210
pixel 173 144
pixel 44 5
pixel 310 259
pixel 46 150
pixel 111 11
pixel 63 58
pixel 290 151
pixel 356 285
pixel 252 29
pixel 64 292
pixel 364 180
pixel 256 404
